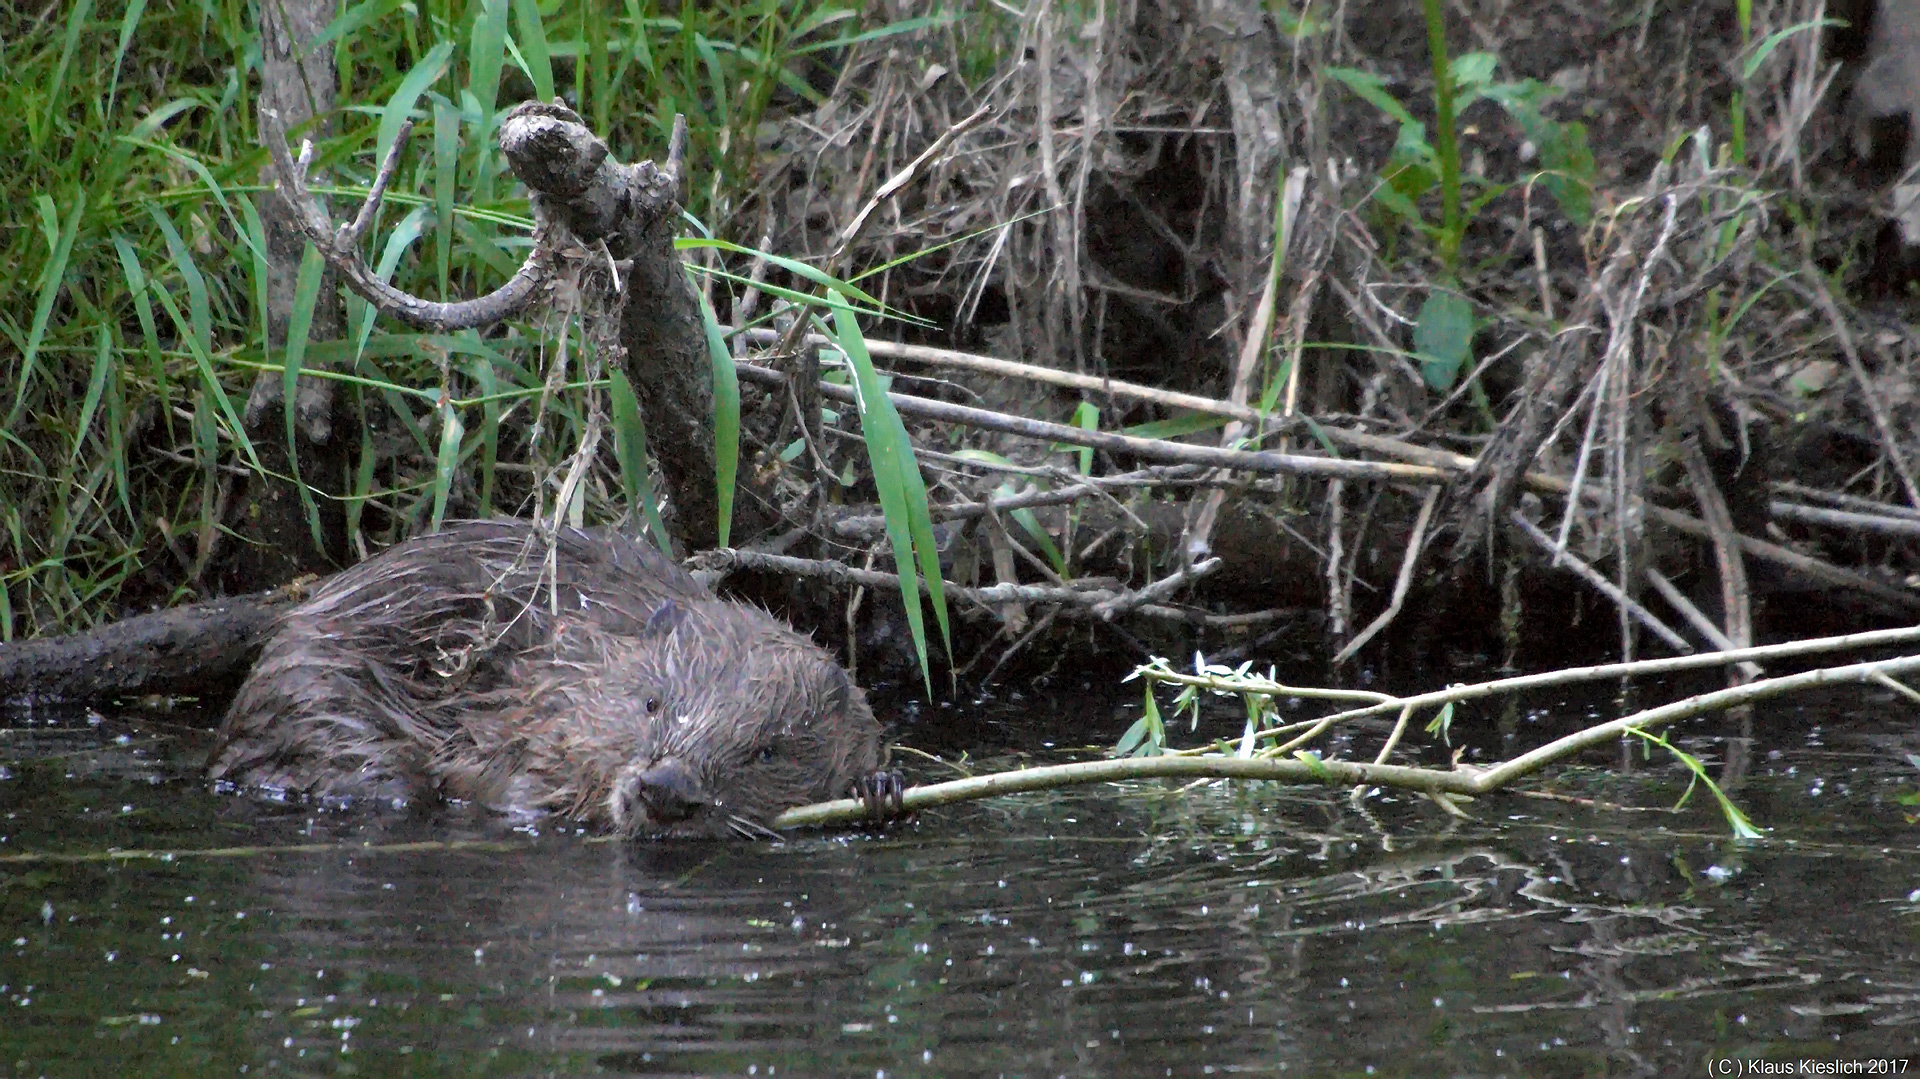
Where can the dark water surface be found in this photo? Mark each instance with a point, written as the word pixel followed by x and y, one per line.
pixel 1109 931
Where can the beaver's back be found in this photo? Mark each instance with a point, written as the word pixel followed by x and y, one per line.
pixel 585 674
pixel 358 688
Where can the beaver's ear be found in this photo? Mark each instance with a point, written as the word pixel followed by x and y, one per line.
pixel 664 619
pixel 839 689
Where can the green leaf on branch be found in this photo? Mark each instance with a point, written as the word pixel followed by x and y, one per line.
pixel 1471 74
pixel 1737 821
pixel 1443 338
pixel 1442 723
pixel 1148 735
pixel 1373 90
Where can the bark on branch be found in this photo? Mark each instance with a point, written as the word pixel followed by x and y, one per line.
pixel 203 649
pixel 585 203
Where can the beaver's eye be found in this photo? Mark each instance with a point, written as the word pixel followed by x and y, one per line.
pixel 653 705
pixel 767 752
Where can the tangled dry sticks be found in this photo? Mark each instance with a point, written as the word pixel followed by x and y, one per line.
pixel 1177 216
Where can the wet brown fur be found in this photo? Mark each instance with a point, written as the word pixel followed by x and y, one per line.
pixel 484 663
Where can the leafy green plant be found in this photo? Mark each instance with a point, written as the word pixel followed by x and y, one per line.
pixel 1443 334
pixel 1416 166
pixel 1148 735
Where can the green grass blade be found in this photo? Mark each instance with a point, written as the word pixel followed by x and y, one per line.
pixel 446 165
pixel 199 169
pixel 639 49
pixel 446 462
pixel 402 237
pixel 117 434
pixel 1186 423
pixel 1030 523
pixel 630 449
pixel 489 383
pixel 893 509
pixel 356 18
pixel 360 484
pixel 792 266
pixel 1373 90
pixel 56 97
pixel 1086 416
pixel 400 106
pixel 921 252
pixel 1025 518
pixel 716 75
pixel 209 381
pixel 1774 40
pixel 904 26
pixel 51 280
pixel 200 327
pixel 806 299
pixel 206 452
pixel 726 419
pixel 591 82
pixel 262 271
pixel 306 294
pixel 482 246
pixel 96 384
pixel 136 278
pixel 486 53
pixel 533 47
pixel 128 22
pixel 896 475
pixel 362 480
pixel 141 137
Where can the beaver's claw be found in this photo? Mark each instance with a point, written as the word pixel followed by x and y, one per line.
pixel 883 793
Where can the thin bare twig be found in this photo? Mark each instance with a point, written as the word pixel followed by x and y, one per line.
pixel 1600 584
pixel 1414 544
pixel 1160 589
pixel 905 176
pixel 1145 449
pixel 1697 619
pixel 1735 596
pixel 1812 283
pixel 1859 522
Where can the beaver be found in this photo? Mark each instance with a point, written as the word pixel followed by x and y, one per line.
pixel 576 672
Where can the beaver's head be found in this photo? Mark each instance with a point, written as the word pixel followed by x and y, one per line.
pixel 710 724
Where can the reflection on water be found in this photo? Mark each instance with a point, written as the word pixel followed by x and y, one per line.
pixel 1104 932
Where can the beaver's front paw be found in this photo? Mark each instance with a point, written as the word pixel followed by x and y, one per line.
pixel 883 793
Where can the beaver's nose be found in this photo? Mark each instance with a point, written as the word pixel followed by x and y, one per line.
pixel 668 791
